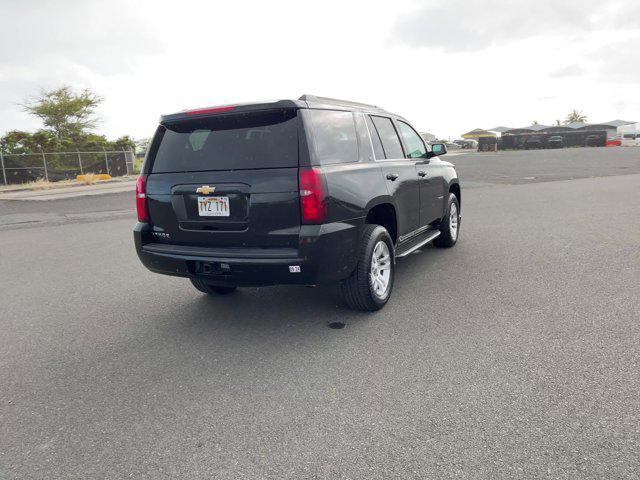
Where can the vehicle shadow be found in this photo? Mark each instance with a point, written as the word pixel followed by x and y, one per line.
pixel 273 310
pixel 268 312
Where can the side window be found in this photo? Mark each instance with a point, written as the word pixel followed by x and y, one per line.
pixel 389 137
pixel 334 136
pixel 364 144
pixel 413 142
pixel 375 139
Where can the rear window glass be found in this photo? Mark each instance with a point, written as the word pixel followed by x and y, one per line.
pixel 334 136
pixel 389 137
pixel 229 142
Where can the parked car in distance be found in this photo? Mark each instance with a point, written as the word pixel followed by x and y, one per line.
pixel 533 142
pixel 555 141
pixel 595 140
pixel 308 191
pixel 467 144
pixel 630 139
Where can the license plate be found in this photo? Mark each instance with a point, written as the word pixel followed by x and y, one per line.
pixel 213 206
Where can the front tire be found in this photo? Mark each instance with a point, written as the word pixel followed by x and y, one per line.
pixel 211 289
pixel 450 224
pixel 369 287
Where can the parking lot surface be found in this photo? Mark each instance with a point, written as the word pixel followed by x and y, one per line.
pixel 513 355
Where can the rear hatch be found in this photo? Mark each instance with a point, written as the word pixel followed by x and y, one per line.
pixel 226 180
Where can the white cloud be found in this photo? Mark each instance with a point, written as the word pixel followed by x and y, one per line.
pixel 50 43
pixel 447 66
pixel 106 37
pixel 473 25
pixel 568 71
pixel 619 61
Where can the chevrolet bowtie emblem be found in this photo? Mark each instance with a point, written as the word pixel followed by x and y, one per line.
pixel 205 189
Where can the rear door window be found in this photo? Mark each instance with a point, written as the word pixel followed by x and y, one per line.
pixel 388 136
pixel 229 142
pixel 334 136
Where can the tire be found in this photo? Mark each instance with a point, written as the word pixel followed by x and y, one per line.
pixel 211 289
pixel 450 224
pixel 366 289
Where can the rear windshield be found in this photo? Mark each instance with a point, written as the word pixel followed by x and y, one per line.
pixel 229 142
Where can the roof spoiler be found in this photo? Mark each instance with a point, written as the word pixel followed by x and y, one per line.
pixel 227 109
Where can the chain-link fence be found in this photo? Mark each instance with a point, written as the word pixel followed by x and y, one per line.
pixel 54 166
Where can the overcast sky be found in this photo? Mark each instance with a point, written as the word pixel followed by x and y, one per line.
pixel 447 65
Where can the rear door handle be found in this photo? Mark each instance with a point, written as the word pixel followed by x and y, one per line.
pixel 392 176
pixel 422 173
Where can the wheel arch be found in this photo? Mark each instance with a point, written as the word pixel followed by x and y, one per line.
pixel 454 188
pixel 382 211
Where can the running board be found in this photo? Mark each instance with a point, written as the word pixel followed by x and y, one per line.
pixel 416 244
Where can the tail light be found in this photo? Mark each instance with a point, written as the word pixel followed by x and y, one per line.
pixel 313 196
pixel 141 199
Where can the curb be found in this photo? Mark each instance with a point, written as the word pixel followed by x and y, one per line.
pixel 70 185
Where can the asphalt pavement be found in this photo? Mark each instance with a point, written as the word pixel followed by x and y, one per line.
pixel 516 354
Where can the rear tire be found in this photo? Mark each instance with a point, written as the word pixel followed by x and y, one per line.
pixel 209 289
pixel 369 287
pixel 450 224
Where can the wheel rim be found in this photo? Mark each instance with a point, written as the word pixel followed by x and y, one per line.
pixel 453 221
pixel 380 274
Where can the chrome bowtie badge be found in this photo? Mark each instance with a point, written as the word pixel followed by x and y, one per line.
pixel 205 189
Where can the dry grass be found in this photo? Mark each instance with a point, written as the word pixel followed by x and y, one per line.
pixel 137 164
pixel 40 184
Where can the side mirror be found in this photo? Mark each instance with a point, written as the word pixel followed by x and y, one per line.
pixel 438 149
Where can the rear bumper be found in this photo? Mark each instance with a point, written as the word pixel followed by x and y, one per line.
pixel 326 253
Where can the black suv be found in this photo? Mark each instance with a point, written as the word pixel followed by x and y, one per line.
pixel 306 191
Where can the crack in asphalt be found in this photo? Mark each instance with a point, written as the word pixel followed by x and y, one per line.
pixel 25 220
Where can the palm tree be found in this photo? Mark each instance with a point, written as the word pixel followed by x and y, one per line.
pixel 575 116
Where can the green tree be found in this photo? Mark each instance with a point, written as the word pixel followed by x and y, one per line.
pixel 66 113
pixel 123 143
pixel 142 145
pixel 17 141
pixel 575 116
pixel 68 117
